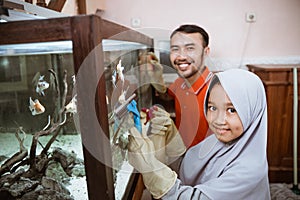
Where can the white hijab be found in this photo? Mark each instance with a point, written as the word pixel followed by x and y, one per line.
pixel 238 170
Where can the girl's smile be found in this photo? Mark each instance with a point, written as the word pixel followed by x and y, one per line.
pixel 221 115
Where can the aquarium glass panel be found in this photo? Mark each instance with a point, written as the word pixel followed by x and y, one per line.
pixel 37 113
pixel 38 137
pixel 122 81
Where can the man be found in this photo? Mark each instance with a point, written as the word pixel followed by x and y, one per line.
pixel 188 49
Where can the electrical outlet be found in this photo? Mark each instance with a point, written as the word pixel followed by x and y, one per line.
pixel 136 22
pixel 250 17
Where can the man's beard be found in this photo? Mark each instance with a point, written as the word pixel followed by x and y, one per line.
pixel 199 69
pixel 194 71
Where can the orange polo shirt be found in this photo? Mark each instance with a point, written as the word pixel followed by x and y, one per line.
pixel 189 108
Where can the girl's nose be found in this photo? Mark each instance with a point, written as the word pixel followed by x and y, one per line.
pixel 221 118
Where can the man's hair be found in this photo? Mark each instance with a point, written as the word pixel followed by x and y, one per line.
pixel 190 28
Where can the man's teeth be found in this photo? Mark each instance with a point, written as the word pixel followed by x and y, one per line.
pixel 183 65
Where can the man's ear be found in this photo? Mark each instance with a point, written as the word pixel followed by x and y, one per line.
pixel 206 50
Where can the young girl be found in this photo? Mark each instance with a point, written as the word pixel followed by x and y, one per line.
pixel 229 164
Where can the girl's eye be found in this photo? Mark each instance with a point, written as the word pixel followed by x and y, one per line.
pixel 231 110
pixel 211 108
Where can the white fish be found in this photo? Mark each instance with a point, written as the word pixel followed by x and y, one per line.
pixel 74 79
pixel 114 78
pixel 122 97
pixel 41 86
pixel 120 71
pixel 71 107
pixel 36 107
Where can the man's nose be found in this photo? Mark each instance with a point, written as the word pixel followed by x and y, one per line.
pixel 182 53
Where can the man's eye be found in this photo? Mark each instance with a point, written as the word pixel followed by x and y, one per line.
pixel 190 48
pixel 173 50
pixel 231 110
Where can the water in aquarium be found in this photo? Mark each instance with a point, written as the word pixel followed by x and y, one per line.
pixel 40 142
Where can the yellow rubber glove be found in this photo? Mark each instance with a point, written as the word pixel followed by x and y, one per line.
pixel 165 136
pixel 158 178
pixel 154 69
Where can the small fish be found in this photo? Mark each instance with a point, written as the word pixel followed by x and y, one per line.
pixel 123 140
pixel 36 107
pixel 74 79
pixel 41 86
pixel 114 78
pixel 122 97
pixel 71 107
pixel 120 71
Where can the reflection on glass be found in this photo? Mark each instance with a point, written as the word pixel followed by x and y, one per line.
pixel 116 89
pixel 33 105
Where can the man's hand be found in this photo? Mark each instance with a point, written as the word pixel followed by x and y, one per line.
pixel 158 178
pixel 151 67
pixel 159 120
pixel 165 136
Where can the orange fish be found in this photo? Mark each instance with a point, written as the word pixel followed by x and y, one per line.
pixel 36 107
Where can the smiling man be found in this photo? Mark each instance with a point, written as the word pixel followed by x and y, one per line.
pixel 188 50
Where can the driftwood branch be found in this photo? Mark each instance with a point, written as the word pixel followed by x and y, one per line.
pixel 61 112
pixel 34 143
pixel 27 180
pixel 49 120
pixel 17 157
pixel 54 128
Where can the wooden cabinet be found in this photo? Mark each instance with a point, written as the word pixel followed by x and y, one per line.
pixel 278 82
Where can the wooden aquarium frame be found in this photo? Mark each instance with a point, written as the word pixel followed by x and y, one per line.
pixel 86 32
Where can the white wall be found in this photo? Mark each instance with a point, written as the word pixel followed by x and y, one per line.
pixel 273 38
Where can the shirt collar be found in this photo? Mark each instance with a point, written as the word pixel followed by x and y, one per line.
pixel 199 84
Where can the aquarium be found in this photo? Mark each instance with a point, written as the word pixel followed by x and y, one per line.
pixel 37 131
pixel 42 74
pixel 42 135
